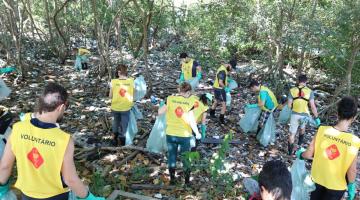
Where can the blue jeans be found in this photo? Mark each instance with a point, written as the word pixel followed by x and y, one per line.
pixel 173 142
pixel 120 122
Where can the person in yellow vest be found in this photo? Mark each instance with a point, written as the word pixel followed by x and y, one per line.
pixel 266 101
pixel 43 153
pixel 334 155
pixel 180 123
pixel 122 100
pixel 82 58
pixel 190 68
pixel 27 116
pixel 200 109
pixel 299 99
pixel 220 89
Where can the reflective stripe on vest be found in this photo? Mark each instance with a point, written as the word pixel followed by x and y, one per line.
pixel 187 69
pixel 334 153
pixel 301 98
pixel 39 157
pixel 216 83
pixel 177 108
pixel 272 97
pixel 123 94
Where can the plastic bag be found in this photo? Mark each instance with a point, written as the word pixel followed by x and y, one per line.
pixel 138 114
pixel 285 115
pixel 2 147
pixel 194 83
pixel 157 140
pixel 267 133
pixel 4 90
pixel 77 63
pixel 250 121
pixel 140 88
pixel 132 128
pixel 301 181
pixel 232 84
pixel 192 142
pixel 10 195
pixel 228 99
pixel 251 186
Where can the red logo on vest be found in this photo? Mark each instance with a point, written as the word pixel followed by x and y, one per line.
pixel 332 152
pixel 179 112
pixel 35 157
pixel 196 104
pixel 122 92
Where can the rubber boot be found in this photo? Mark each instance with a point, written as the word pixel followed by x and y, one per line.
pixel 222 119
pixel 172 176
pixel 290 148
pixel 122 140
pixel 187 177
pixel 114 141
pixel 212 113
pixel 301 139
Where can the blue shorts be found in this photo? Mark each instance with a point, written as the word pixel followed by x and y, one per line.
pixel 220 95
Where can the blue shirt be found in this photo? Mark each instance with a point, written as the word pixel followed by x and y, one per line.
pixel 266 99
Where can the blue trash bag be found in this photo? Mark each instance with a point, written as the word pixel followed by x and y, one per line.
pixel 138 114
pixel 267 133
pixel 140 88
pixel 301 181
pixel 72 195
pixel 132 128
pixel 228 99
pixel 308 120
pixel 285 115
pixel 232 84
pixel 194 83
pixel 7 70
pixel 4 90
pixel 157 140
pixel 250 121
pixel 77 64
pixel 2 147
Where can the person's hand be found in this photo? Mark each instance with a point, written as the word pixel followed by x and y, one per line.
pixel 4 189
pixel 351 191
pixel 203 130
pixel 91 197
pixel 317 122
pixel 251 106
pixel 197 136
pixel 299 153
pixel 182 78
pixel 199 75
pixel 227 89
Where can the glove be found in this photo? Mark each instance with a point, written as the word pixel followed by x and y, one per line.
pixel 4 189
pixel 299 153
pixel 199 75
pixel 351 191
pixel 91 197
pixel 182 78
pixel 228 80
pixel 162 103
pixel 22 116
pixel 203 130
pixel 7 70
pixel 227 89
pixel 317 122
pixel 252 106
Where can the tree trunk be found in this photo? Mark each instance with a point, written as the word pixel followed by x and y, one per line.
pixel 48 20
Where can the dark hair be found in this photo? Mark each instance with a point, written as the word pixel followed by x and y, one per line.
pixel 185 87
pixel 53 96
pixel 183 55
pixel 204 99
pixel 122 69
pixel 347 108
pixel 276 179
pixel 233 63
pixel 302 78
pixel 253 83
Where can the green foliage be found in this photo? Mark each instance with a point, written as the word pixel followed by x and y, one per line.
pixel 97 184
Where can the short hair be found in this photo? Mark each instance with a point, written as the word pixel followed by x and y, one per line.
pixel 253 83
pixel 302 78
pixel 276 179
pixel 122 68
pixel 185 87
pixel 232 63
pixel 53 96
pixel 347 108
pixel 204 99
pixel 183 55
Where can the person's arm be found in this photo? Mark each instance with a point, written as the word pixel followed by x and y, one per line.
pixel 313 108
pixel 309 153
pixel 290 100
pixel 6 163
pixel 203 120
pixel 69 173
pixel 221 78
pixel 162 110
pixel 351 172
pixel 262 99
pixel 192 123
pixel 111 92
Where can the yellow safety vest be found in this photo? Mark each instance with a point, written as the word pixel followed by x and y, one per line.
pixel 39 157
pixel 177 106
pixel 28 116
pixel 83 51
pixel 301 97
pixel 123 94
pixel 199 109
pixel 186 69
pixel 334 153
pixel 272 96
pixel 216 83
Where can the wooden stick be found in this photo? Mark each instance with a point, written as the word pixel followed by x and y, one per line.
pixel 117 193
pixel 151 187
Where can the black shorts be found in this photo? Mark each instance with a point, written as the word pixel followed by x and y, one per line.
pixel 322 193
pixel 220 95
pixel 63 196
